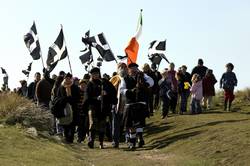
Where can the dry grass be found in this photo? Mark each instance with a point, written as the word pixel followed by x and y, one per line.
pixel 15 109
pixel 243 95
pixel 9 103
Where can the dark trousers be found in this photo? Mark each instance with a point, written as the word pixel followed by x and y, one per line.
pixel 173 102
pixel 96 125
pixel 108 131
pixel 156 100
pixel 151 101
pixel 165 104
pixel 69 131
pixel 82 127
pixel 92 134
pixel 184 98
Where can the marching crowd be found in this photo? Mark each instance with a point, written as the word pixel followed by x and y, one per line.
pixel 118 106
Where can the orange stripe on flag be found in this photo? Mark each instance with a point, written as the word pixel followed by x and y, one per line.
pixel 132 50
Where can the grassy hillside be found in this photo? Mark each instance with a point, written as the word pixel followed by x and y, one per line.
pixel 213 138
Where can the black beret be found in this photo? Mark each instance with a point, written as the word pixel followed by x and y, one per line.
pixel 94 70
pixel 68 75
pixel 200 61
pixel 86 76
pixel 62 73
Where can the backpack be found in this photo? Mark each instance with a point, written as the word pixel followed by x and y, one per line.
pixel 68 115
pixel 57 106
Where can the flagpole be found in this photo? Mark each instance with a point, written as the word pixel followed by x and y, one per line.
pixel 68 55
pixel 28 77
pixel 41 58
pixel 40 47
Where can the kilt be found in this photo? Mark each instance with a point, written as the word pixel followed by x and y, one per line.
pixel 135 114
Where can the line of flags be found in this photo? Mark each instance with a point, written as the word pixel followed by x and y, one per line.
pixel 58 50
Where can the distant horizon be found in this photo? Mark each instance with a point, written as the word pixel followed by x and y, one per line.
pixel 216 31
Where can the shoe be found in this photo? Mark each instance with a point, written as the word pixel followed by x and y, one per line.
pixel 91 145
pixel 101 146
pixel 141 143
pixel 79 140
pixel 115 145
pixel 131 147
pixel 67 142
pixel 163 116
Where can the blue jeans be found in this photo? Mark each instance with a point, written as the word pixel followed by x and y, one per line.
pixel 184 98
pixel 195 106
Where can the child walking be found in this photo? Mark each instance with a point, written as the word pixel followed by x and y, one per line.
pixel 228 81
pixel 208 83
pixel 165 93
pixel 196 94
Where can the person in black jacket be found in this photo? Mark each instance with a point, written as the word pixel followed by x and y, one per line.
pixel 43 92
pixel 228 81
pixel 157 77
pixel 199 69
pixel 147 70
pixel 82 118
pixel 184 83
pixel 99 97
pixel 135 87
pixel 72 94
pixel 32 87
pixel 54 94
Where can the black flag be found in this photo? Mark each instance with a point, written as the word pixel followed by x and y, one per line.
pixel 5 78
pixel 3 71
pixel 57 51
pixel 32 43
pixel 156 51
pixel 100 43
pixel 87 56
pixel 52 66
pixel 157 46
pixel 27 71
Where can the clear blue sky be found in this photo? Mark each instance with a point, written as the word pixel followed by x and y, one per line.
pixel 216 30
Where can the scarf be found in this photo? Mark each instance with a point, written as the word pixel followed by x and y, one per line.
pixel 67 85
pixel 115 80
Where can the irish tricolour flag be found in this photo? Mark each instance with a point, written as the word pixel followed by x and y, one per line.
pixel 133 47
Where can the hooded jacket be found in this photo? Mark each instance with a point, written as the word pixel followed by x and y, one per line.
pixel 197 90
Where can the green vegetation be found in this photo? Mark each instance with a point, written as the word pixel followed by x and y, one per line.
pixel 212 138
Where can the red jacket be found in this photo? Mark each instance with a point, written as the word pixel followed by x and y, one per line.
pixel 208 85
